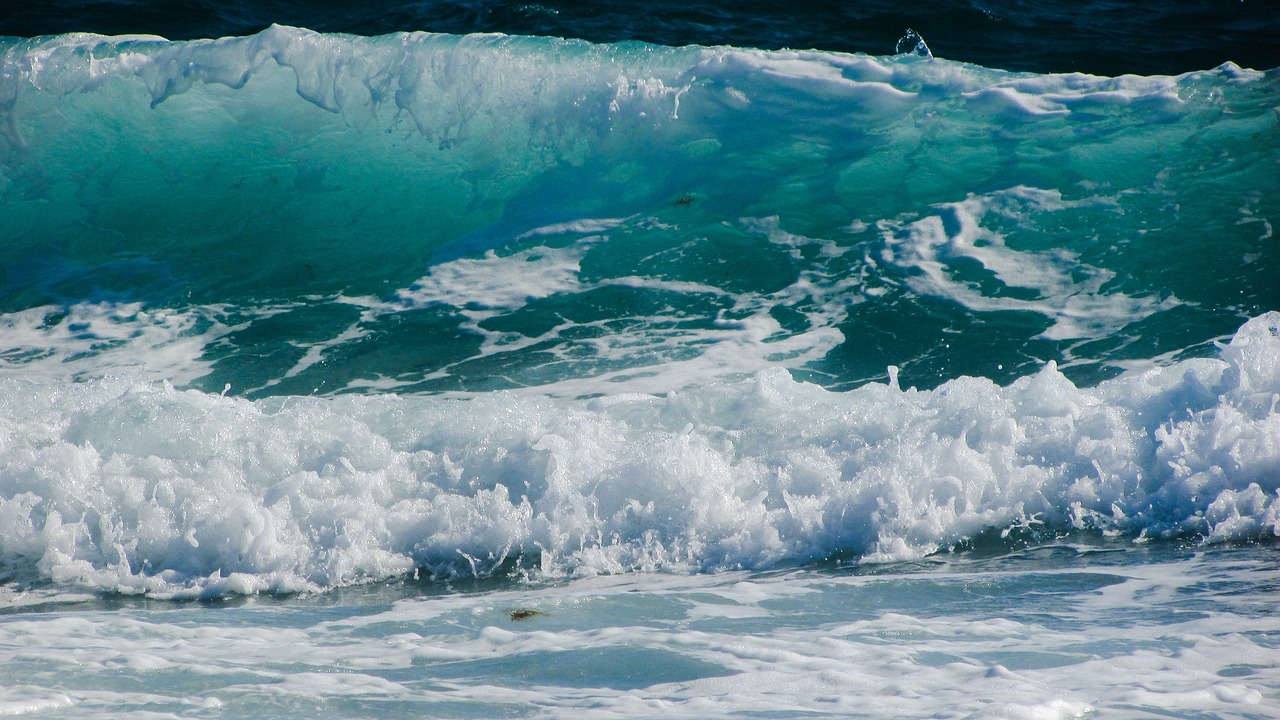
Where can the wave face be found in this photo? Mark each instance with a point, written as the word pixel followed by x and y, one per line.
pixel 295 310
pixel 294 213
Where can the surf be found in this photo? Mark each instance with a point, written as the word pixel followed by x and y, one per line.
pixel 126 486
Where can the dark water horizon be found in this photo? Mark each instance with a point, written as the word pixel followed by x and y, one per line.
pixel 1100 37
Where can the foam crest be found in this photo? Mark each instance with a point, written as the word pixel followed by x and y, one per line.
pixel 91 339
pixel 454 87
pixel 134 487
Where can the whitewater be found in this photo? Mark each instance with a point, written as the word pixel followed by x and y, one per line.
pixel 494 376
pixel 124 486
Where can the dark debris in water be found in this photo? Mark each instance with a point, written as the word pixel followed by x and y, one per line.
pixel 524 614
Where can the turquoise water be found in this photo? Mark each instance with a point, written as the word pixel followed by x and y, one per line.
pixel 485 376
pixel 294 213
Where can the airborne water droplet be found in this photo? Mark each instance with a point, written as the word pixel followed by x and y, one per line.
pixel 912 43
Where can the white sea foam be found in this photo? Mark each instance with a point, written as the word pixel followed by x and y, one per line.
pixel 704 452
pixel 701 454
pixel 632 351
pixel 91 339
pixel 743 340
pixel 124 485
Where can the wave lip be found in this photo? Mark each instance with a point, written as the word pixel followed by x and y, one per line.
pixel 445 82
pixel 133 487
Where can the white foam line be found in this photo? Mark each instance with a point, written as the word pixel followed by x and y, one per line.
pixel 1078 308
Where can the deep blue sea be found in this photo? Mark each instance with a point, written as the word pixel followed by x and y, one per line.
pixel 477 359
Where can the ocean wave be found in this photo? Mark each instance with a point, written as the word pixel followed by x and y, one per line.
pixel 303 213
pixel 241 276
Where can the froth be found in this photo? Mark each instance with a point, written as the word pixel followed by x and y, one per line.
pixel 130 486
pixel 90 339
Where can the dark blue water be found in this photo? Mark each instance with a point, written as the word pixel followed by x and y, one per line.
pixel 1106 37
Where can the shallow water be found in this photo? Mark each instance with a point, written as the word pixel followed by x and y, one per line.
pixel 1060 629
